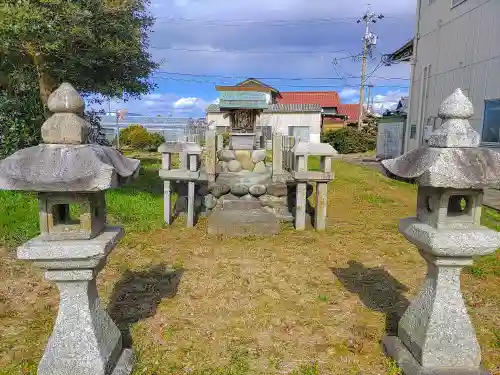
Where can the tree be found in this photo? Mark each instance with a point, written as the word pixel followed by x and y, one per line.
pixel 99 46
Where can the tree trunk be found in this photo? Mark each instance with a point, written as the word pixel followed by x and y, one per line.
pixel 45 83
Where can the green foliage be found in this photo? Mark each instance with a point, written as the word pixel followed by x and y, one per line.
pixel 96 134
pixel 225 139
pixel 99 46
pixel 21 117
pixel 137 137
pixel 157 140
pixel 348 140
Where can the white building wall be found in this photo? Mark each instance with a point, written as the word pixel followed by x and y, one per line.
pixel 460 48
pixel 280 122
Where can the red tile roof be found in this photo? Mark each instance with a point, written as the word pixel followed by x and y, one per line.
pixel 351 110
pixel 323 98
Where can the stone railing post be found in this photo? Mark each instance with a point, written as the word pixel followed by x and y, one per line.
pixel 166 165
pixel 189 172
pixel 210 155
pixel 301 204
pixel 220 142
pixel 435 335
pixel 302 151
pixel 63 171
pixel 277 157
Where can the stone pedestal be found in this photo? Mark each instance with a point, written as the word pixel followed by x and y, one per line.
pixel 84 341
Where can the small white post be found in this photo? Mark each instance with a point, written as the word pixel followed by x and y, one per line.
pixel 300 214
pixel 167 191
pixel 193 161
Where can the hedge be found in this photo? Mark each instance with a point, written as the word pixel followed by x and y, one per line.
pixel 348 140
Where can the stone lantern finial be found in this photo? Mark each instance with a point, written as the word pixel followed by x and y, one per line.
pixel 455 131
pixel 66 125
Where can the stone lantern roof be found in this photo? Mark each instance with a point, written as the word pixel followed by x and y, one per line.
pixel 452 158
pixel 64 162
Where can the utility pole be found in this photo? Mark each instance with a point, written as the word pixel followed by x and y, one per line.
pixel 369 40
pixel 370 99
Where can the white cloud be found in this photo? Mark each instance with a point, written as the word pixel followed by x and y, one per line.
pixel 186 102
pixel 388 101
pixel 348 93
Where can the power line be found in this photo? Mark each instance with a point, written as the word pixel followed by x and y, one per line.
pixel 258 52
pixel 296 86
pixel 277 78
pixel 271 22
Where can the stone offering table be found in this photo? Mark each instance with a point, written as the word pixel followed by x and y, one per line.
pixel 73 246
pixel 435 335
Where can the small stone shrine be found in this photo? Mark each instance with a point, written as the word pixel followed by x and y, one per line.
pixel 240 191
pixel 435 335
pixel 70 177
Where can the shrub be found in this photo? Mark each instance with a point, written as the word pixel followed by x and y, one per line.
pixel 157 140
pixel 136 136
pixel 21 116
pixel 125 134
pixel 140 138
pixel 348 140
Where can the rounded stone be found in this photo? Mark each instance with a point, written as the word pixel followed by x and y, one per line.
pixel 257 190
pixel 203 189
pixel 245 159
pixel 249 197
pixel 260 167
pixel 220 190
pixel 239 190
pixel 277 189
pixel 277 202
pixel 66 100
pixel 258 156
pixel 457 105
pixel 226 155
pixel 234 166
pixel 265 199
pixel 210 201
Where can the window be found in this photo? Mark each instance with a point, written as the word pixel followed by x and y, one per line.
pixel 413 131
pixel 299 132
pixel 454 3
pixel 491 122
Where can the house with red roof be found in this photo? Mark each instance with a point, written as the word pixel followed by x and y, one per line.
pixel 334 113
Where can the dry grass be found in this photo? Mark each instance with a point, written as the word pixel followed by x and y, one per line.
pixel 296 303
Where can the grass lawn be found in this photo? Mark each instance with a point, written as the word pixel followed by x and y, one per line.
pixel 299 303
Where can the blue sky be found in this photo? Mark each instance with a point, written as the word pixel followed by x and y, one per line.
pixel 201 43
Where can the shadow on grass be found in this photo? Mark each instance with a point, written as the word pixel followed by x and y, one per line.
pixel 377 289
pixel 137 296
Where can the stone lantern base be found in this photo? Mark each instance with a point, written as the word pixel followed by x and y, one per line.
pixel 395 349
pixel 84 341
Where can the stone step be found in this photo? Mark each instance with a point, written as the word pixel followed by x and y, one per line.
pixel 242 223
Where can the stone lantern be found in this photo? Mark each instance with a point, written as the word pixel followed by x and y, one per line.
pixel 74 244
pixel 435 335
